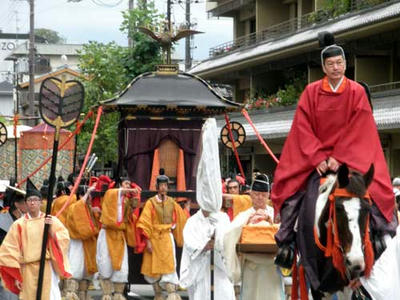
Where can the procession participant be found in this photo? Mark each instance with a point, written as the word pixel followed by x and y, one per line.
pixel 333 124
pixel 238 203
pixel 17 207
pixel 83 229
pixel 63 191
pixel 257 272
pixel 203 232
pixel 131 230
pixel 112 252
pixel 383 282
pixel 21 249
pixel 396 190
pixel 161 220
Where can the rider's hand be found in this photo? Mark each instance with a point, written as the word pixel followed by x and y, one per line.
pixel 322 167
pixel 354 284
pixel 333 164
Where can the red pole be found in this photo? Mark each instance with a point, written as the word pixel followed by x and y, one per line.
pixel 246 115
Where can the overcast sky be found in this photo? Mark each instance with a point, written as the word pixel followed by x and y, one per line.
pixel 85 20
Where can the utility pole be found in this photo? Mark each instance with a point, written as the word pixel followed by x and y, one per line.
pixel 31 96
pixel 188 56
pixel 130 42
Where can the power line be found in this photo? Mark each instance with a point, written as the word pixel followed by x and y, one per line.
pixel 103 4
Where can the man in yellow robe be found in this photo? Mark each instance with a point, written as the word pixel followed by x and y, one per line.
pixel 21 249
pixel 112 253
pixel 233 201
pixel 161 220
pixel 83 229
pixel 63 195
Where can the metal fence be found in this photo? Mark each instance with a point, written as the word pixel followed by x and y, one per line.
pixel 292 26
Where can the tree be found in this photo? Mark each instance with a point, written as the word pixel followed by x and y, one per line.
pixel 108 69
pixel 51 36
pixel 144 55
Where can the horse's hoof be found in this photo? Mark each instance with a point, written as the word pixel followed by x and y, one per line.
pixel 285 256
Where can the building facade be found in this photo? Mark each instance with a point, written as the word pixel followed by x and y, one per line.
pixel 275 53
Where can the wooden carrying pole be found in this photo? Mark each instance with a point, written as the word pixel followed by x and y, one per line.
pixel 60 103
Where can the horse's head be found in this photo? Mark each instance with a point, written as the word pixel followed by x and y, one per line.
pixel 342 210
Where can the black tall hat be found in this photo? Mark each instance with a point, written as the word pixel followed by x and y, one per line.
pixel 13 195
pixel 330 49
pixel 31 190
pixel 260 183
pixel 162 177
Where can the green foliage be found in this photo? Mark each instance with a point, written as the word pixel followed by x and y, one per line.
pixel 108 68
pixel 291 93
pixel 288 95
pixel 51 36
pixel 144 14
pixel 335 8
pixel 5 121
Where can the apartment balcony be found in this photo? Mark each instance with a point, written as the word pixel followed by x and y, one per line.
pixel 292 26
pixel 227 7
pixel 300 35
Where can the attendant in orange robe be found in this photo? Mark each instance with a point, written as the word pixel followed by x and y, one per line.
pixel 63 195
pixel 161 221
pixel 83 229
pixel 238 203
pixel 112 252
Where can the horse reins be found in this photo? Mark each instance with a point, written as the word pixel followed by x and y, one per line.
pixel 333 247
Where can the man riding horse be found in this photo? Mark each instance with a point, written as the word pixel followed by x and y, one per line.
pixel 333 125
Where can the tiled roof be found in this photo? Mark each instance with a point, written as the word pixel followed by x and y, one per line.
pixel 49 49
pixel 276 124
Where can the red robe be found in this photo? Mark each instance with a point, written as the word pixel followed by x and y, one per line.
pixel 340 125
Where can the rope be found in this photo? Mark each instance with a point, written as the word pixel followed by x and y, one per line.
pixel 85 161
pixel 16 118
pixel 246 115
pixel 78 128
pixel 228 125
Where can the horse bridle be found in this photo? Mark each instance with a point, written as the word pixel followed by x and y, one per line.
pixel 341 192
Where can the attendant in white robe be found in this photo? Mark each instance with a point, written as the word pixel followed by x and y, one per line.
pixel 257 272
pixel 207 223
pixel 383 282
pixel 203 232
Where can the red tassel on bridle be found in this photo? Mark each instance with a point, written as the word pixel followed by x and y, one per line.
pixel 333 247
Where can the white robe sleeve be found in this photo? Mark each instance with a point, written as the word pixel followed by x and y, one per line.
pixel 383 282
pixel 196 234
pixel 231 238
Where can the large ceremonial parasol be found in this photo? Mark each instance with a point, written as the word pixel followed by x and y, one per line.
pixel 3 134
pixel 208 180
pixel 60 103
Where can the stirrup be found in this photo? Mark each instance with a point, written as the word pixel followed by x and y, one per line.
pixel 285 256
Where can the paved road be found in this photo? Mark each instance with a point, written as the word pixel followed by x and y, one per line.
pixel 141 291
